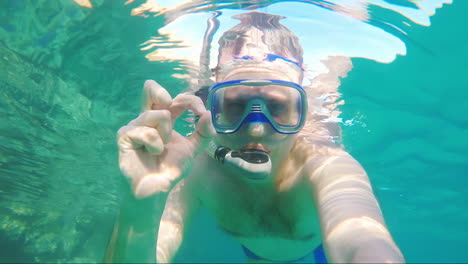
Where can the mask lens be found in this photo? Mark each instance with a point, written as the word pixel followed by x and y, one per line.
pixel 229 105
pixel 283 104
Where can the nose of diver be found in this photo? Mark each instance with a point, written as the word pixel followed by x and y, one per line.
pixel 256 129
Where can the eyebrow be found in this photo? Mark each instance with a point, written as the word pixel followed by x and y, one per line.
pixel 281 97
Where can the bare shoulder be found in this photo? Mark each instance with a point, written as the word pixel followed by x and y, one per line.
pixel 308 154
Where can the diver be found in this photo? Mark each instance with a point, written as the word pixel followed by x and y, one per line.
pixel 287 195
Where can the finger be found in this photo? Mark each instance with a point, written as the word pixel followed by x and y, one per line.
pixel 184 102
pixel 157 119
pixel 204 131
pixel 140 137
pixel 155 97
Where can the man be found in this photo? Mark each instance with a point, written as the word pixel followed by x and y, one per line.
pixel 280 191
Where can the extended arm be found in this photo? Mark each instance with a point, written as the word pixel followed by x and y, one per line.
pixel 352 225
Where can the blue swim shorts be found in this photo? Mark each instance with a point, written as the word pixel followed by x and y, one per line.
pixel 315 256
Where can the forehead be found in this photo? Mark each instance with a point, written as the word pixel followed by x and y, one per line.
pixel 273 91
pixel 250 43
pixel 240 68
pixel 247 54
pixel 265 70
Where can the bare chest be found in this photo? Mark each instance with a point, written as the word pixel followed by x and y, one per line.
pixel 250 210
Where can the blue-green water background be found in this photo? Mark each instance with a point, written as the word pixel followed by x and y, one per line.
pixel 70 77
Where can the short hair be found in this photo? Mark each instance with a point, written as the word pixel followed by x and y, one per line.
pixel 277 37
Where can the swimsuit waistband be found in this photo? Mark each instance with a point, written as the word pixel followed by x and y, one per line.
pixel 318 256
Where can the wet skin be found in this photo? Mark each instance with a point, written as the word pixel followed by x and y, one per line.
pixel 312 183
pixel 315 191
pixel 275 221
pixel 275 224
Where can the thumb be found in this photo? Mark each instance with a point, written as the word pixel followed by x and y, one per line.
pixel 204 131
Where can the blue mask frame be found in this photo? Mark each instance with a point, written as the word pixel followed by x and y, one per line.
pixel 257 111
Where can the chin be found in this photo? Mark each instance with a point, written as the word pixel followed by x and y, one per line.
pixel 252 177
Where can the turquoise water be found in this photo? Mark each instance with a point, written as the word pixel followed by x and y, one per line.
pixel 70 77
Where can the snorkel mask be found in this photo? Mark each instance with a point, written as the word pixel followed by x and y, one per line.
pixel 281 104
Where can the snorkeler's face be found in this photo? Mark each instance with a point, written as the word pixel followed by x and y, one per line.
pixel 258 135
pixel 252 53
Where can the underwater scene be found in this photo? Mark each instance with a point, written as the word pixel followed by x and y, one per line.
pixel 379 74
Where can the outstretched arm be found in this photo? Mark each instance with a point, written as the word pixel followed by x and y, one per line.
pixel 352 224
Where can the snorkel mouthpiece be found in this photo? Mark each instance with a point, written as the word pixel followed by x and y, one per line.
pixel 254 163
pixel 251 156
